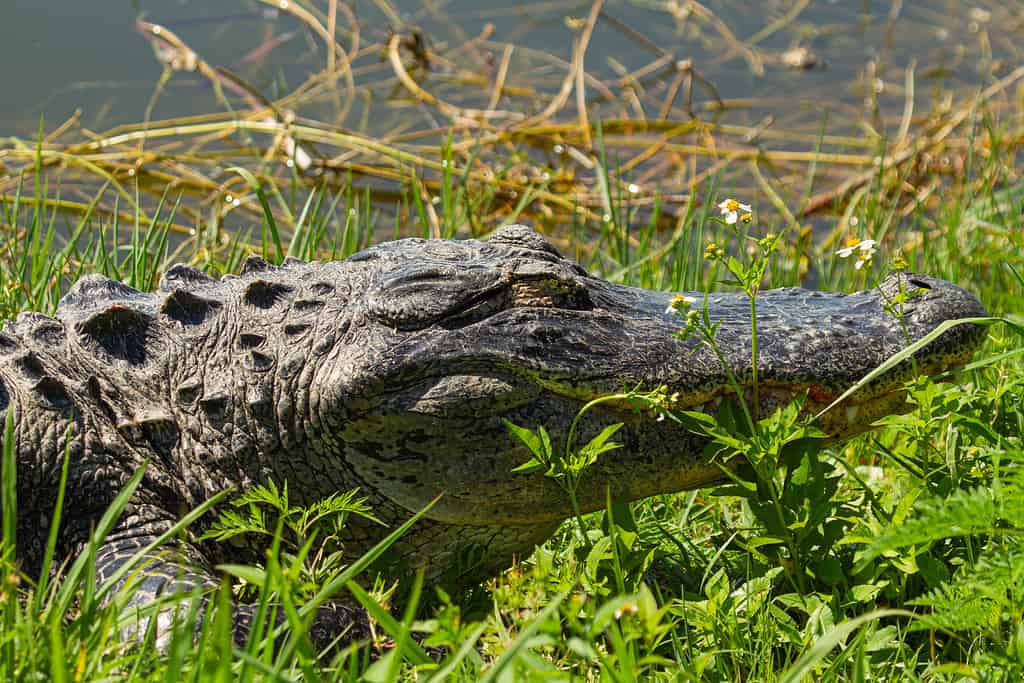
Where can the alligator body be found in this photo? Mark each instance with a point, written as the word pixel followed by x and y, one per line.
pixel 391 371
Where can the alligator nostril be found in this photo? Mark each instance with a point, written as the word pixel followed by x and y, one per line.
pixel 920 284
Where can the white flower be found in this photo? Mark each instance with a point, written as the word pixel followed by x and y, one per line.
pixel 731 209
pixel 864 249
pixel 680 302
pixel 628 608
pixel 857 245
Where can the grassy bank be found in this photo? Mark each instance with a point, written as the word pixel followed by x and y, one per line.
pixel 899 555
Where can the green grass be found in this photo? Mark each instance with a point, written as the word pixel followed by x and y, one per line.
pixel 898 556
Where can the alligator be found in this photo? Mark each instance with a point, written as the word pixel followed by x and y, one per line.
pixel 392 371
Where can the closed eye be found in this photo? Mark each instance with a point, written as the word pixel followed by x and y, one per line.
pixel 478 308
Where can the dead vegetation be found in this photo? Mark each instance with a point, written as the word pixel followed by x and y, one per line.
pixel 387 108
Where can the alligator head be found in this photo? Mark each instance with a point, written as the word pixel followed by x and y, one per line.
pixel 449 338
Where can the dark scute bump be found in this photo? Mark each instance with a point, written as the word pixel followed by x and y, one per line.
pixel 308 305
pixel 263 294
pixel 51 393
pixel 260 402
pixel 524 237
pixel 120 332
pixel 158 432
pixel 9 344
pixel 255 264
pixel 5 398
pixel 188 393
pixel 919 283
pixel 161 433
pixel 180 275
pixel 257 362
pixel 249 340
pixel 48 332
pixel 363 256
pixel 187 308
pixel 421 293
pixel 291 261
pixel 322 288
pixel 29 319
pixel 97 290
pixel 216 406
pixel 29 365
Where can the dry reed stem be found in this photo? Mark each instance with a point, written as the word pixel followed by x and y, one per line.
pixel 332 47
pixel 750 54
pixel 499 79
pixel 913 149
pixel 670 154
pixel 571 77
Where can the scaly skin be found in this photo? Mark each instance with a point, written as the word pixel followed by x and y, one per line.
pixel 390 372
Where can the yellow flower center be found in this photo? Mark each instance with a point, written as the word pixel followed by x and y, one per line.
pixel 732 205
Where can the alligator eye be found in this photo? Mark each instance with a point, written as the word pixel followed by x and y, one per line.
pixel 551 293
pixel 475 310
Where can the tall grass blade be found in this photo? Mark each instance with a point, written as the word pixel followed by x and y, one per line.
pixel 804 665
pixel 268 214
pixel 907 352
pixel 10 487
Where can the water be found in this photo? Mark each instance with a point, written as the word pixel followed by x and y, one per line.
pixel 67 55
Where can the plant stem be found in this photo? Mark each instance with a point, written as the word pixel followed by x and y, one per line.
pixel 755 408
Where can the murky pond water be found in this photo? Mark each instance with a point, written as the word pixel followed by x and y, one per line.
pixel 789 60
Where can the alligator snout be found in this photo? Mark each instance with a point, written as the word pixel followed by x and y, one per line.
pixel 924 302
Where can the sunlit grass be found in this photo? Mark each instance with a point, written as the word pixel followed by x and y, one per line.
pixel 677 585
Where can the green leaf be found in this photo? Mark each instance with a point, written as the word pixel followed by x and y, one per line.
pixel 248 573
pixel 598 442
pixel 545 443
pixel 803 666
pixel 933 571
pixel 830 571
pixel 528 438
pixel 530 466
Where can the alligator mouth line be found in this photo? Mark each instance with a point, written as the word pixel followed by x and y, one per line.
pixel 869 403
